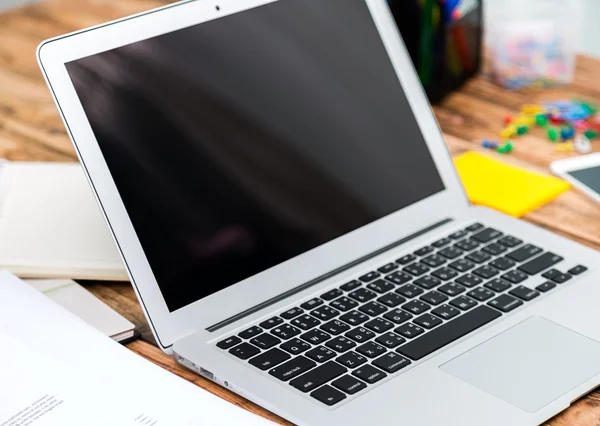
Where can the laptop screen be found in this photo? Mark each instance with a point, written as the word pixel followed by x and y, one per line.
pixel 242 142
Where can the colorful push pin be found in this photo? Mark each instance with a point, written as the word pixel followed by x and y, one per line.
pixel 567 133
pixel 555 120
pixel 541 120
pixel 507 120
pixel 581 125
pixel 521 130
pixel 505 148
pixel 582 144
pixel 553 134
pixel 489 144
pixel 531 109
pixel 591 134
pixel 508 132
pixel 564 147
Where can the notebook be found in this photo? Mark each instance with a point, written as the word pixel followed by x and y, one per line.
pixel 51 225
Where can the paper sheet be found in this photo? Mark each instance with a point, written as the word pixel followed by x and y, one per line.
pixel 49 355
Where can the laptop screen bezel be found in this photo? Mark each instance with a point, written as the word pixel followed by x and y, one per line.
pixel 168 326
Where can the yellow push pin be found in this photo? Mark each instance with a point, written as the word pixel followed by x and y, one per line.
pixel 564 147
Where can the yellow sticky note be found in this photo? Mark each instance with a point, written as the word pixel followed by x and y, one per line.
pixel 503 187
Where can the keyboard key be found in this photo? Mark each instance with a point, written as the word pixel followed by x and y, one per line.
pixel 515 276
pixel 397 316
pixel 390 340
pixel 458 235
pixel 386 269
pixel 562 278
pixel 354 318
pixel 292 368
pixel 428 321
pixel 469 280
pixel 391 300
pixel 498 285
pixel 479 257
pixel 369 276
pixel 579 269
pixel 509 241
pixel 250 332
pixel 467 245
pixel 523 253
pixel 540 263
pixel 320 354
pixel 351 359
pixel 463 303
pixel 409 330
pixel 406 259
pixel 505 303
pixel 427 282
pixel 349 384
pixel 373 309
pixel 445 274
pixel 462 265
pixel 450 252
pixel 398 278
pixel 416 307
pixel 318 376
pixel 445 312
pixel 481 294
pixel 434 298
pixel 229 342
pixel 379 325
pixel 416 269
pixel 360 334
pixel 424 251
pixel 312 303
pixel 315 337
pixel 524 293
pixel 295 346
pixel 441 243
pixel 285 331
pixel 488 234
pixel 292 313
pixel 371 349
pixel 271 322
pixel 331 294
pixel 547 286
pixel 434 260
pixel 340 344
pixel 494 249
pixel 363 295
pixel 391 362
pixel 369 374
pixel 265 341
pixel 502 263
pixel 344 304
pixel 381 286
pixel 409 291
pixel 325 313
pixel 452 289
pixel 335 327
pixel 486 271
pixel 475 227
pixel 244 350
pixel 556 276
pixel 448 333
pixel 269 359
pixel 328 395
pixel 305 322
pixel 351 285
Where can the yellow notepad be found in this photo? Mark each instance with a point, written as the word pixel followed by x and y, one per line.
pixel 506 188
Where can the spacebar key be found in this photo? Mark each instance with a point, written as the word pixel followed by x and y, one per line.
pixel 449 332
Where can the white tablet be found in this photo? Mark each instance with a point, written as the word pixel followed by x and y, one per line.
pixel 582 172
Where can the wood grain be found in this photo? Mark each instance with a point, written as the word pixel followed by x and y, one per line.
pixel 31 129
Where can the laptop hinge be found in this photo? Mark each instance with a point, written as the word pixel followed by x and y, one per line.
pixel 323 277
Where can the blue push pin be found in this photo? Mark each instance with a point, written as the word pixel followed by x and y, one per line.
pixel 567 133
pixel 489 144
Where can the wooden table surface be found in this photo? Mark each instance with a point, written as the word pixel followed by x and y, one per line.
pixel 31 129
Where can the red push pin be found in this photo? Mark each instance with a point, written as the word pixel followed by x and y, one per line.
pixel 507 120
pixel 555 120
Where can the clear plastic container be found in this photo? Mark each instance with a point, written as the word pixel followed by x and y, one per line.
pixel 533 42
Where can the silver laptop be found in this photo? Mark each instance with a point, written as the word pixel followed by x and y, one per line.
pixel 294 228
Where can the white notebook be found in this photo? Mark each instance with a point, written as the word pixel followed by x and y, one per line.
pixel 51 225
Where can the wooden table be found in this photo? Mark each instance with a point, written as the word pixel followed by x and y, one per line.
pixel 31 129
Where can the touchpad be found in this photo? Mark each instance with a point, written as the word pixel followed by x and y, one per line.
pixel 530 364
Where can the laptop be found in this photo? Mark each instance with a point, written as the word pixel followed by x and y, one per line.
pixel 293 226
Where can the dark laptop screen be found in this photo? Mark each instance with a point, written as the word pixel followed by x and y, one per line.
pixel 242 142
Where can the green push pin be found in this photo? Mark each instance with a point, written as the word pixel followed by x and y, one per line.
pixel 541 120
pixel 591 134
pixel 553 134
pixel 521 130
pixel 506 148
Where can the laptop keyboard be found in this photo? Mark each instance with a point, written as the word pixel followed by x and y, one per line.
pixel 354 335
